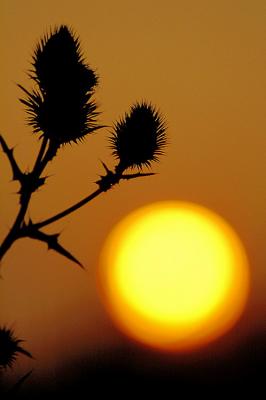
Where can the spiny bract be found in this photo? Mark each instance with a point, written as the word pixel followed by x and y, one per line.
pixel 61 106
pixel 10 348
pixel 139 138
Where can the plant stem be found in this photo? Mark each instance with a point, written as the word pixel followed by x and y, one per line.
pixel 112 179
pixel 40 155
pixel 13 234
pixel 69 210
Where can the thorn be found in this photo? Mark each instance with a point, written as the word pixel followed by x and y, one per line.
pixel 25 352
pixel 24 90
pixel 61 250
pixel 107 170
pixel 40 182
pixel 137 175
pixel 53 244
pixel 108 180
pixel 51 241
pixel 17 174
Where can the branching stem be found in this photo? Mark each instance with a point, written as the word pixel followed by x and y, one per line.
pixel 25 197
pixel 30 182
pixel 69 210
pixel 113 178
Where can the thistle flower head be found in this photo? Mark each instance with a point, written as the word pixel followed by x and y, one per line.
pixel 139 138
pixel 61 106
pixel 10 348
pixel 58 59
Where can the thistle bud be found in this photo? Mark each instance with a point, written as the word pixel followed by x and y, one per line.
pixel 139 138
pixel 61 106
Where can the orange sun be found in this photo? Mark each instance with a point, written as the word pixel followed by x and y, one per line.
pixel 174 276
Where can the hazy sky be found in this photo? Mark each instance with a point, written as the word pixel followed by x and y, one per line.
pixel 203 64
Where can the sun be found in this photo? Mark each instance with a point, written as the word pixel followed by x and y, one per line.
pixel 174 276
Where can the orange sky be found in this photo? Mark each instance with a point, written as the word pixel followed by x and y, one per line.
pixel 203 63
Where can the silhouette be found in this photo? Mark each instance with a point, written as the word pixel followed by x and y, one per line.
pixel 62 110
pixel 10 348
pixel 130 371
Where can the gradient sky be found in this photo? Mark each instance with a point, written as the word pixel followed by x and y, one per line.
pixel 203 64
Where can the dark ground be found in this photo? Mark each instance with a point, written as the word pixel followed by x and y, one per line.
pixel 126 374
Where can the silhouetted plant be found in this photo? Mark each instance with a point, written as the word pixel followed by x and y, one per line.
pixel 10 348
pixel 61 109
pixel 139 138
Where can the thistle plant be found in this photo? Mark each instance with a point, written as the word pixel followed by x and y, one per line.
pixel 61 109
pixel 10 348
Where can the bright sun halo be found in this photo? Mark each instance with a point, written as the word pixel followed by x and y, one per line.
pixel 174 275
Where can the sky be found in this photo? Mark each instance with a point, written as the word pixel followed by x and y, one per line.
pixel 203 65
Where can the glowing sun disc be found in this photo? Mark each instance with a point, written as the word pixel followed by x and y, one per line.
pixel 174 275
